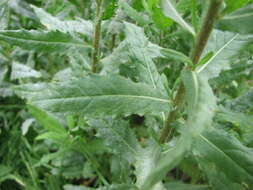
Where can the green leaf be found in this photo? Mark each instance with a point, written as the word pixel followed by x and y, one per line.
pixel 146 161
pixel 226 154
pixel 239 21
pixel 181 186
pixel 54 24
pixel 201 104
pixel 225 46
pixel 96 95
pixel 48 42
pixel 133 14
pixel 155 12
pixel 46 120
pixel 232 5
pixel 20 71
pixel 117 136
pixel 170 11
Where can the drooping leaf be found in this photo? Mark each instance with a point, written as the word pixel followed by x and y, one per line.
pixel 70 26
pixel 239 21
pixel 20 71
pixel 201 104
pixel 170 11
pixel 226 154
pixel 49 42
pixel 96 95
pixel 225 46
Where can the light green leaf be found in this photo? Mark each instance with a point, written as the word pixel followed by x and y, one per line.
pixel 146 161
pixel 232 5
pixel 134 14
pixel 117 136
pixel 20 71
pixel 225 46
pixel 201 106
pixel 226 154
pixel 46 120
pixel 239 21
pixel 170 11
pixel 96 95
pixel 70 26
pixel 42 41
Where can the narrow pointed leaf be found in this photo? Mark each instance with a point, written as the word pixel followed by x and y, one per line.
pixel 170 11
pixel 225 46
pixel 227 155
pixel 96 95
pixel 42 41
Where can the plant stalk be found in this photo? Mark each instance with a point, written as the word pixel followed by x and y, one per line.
pixel 97 36
pixel 201 41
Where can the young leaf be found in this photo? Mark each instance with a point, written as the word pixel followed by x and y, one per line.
pixel 170 11
pixel 227 155
pixel 239 21
pixel 20 71
pixel 225 46
pixel 48 42
pixel 96 95
pixel 55 24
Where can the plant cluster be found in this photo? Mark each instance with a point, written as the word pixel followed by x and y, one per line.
pixel 126 94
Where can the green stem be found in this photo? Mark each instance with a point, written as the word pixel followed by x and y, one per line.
pixel 202 38
pixel 96 36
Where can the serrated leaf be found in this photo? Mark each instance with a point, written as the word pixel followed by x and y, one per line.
pixel 226 154
pixel 20 71
pixel 239 21
pixel 96 95
pixel 170 11
pixel 70 26
pixel 48 42
pixel 225 46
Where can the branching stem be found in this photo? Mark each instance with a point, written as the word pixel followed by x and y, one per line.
pixel 201 41
pixel 97 36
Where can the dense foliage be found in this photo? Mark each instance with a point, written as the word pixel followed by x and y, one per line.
pixel 126 94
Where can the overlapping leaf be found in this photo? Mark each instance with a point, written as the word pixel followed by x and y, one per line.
pixel 225 46
pixel 96 95
pixel 49 42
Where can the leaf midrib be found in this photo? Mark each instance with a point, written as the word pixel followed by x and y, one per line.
pixel 44 42
pixel 94 96
pixel 222 152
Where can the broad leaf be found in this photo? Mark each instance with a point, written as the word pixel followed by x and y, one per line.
pixel 55 24
pixel 226 154
pixel 42 41
pixel 96 95
pixel 239 21
pixel 225 46
pixel 170 11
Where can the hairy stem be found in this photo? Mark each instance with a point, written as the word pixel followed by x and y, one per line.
pixel 96 36
pixel 201 41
